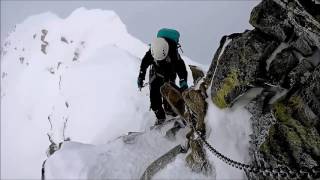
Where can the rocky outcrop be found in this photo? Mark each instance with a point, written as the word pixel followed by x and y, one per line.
pixel 282 56
pixel 239 66
pixel 192 107
pixel 197 73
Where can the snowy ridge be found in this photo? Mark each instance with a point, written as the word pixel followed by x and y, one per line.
pixel 41 85
pixel 81 72
pixel 104 161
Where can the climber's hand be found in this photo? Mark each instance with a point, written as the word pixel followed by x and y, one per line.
pixel 183 84
pixel 140 83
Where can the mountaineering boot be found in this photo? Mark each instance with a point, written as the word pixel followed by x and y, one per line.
pixel 160 116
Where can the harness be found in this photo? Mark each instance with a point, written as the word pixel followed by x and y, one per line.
pixel 154 73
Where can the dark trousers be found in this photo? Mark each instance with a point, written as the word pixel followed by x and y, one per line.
pixel 158 104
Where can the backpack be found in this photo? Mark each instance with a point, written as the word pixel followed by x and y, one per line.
pixel 170 34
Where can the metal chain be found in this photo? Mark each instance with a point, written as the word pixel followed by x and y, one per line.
pixel 283 172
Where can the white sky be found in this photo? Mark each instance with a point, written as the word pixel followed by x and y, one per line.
pixel 201 23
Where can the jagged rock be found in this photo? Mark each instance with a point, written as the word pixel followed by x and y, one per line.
pixel 21 59
pixel 44 33
pixel 299 74
pixel 51 70
pixel 240 66
pixel 63 39
pixel 76 56
pixel 78 51
pixel 310 93
pixel 312 7
pixel 289 141
pixel 282 56
pixel 270 18
pixel 196 159
pixel 174 98
pixel 303 44
pixel 52 149
pixel 44 42
pixel 43 48
pixel 277 73
pixel 4 74
pixel 261 121
pixel 197 73
pixel 196 103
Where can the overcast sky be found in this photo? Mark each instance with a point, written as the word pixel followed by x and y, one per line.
pixel 201 23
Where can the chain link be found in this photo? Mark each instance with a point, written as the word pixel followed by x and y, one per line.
pixel 283 172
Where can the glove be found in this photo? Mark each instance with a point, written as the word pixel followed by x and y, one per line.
pixel 140 82
pixel 183 85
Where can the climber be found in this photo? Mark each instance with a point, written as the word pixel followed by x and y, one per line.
pixel 166 63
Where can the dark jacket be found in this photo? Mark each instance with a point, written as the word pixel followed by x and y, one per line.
pixel 165 69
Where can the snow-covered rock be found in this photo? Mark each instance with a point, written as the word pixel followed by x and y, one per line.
pixel 76 77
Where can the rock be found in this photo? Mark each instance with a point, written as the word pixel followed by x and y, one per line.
pixel 289 141
pixel 4 74
pixel 63 39
pixel 21 59
pixel 261 121
pixel 270 18
pixel 303 44
pixel 312 7
pixel 44 42
pixel 282 56
pixel 76 56
pixel 198 105
pixel 174 98
pixel 196 160
pixel 310 93
pixel 298 74
pixel 281 66
pixel 240 65
pixel 197 73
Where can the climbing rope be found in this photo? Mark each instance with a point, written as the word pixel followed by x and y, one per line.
pixel 283 172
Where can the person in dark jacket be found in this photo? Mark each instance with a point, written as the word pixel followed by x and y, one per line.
pixel 166 63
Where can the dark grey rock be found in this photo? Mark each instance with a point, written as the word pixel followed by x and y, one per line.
pixel 286 114
pixel 270 18
pixel 283 63
pixel 297 76
pixel 197 73
pixel 303 44
pixel 240 65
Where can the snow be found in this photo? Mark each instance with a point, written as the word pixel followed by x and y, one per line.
pixel 229 131
pixel 81 161
pixel 94 87
pixel 87 88
pixel 87 161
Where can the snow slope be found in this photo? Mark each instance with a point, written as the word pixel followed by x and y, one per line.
pixel 119 160
pixel 80 73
